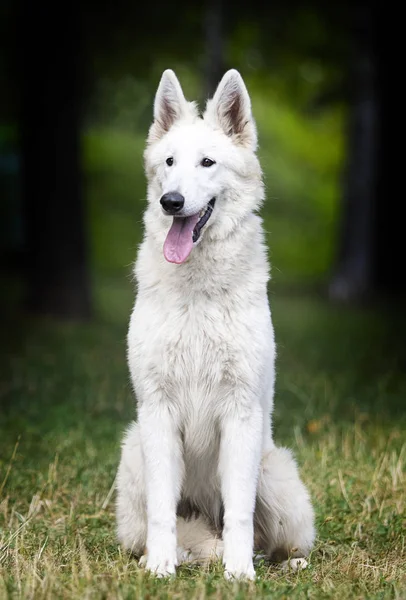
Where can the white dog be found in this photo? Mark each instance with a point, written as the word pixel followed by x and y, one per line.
pixel 200 476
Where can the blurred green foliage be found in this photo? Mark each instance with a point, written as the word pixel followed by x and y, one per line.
pixel 291 57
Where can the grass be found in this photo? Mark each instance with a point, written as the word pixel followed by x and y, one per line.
pixel 66 399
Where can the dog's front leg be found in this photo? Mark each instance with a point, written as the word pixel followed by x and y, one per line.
pixel 163 474
pixel 240 452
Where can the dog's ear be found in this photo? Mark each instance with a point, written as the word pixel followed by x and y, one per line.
pixel 230 108
pixel 169 105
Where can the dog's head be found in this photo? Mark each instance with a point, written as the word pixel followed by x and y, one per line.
pixel 203 173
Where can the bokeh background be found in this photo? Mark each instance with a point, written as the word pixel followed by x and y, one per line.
pixel 74 120
pixel 77 84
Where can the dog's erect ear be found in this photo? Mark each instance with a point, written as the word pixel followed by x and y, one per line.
pixel 230 108
pixel 169 105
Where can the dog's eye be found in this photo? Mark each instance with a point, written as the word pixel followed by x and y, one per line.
pixel 169 161
pixel 207 162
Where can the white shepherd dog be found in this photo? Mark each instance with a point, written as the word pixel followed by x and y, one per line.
pixel 200 476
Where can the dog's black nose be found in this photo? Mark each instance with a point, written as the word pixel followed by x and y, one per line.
pixel 172 202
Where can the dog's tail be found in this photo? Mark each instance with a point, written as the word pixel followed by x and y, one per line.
pixel 197 541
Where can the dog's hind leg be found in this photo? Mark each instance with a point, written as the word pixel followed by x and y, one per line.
pixel 131 498
pixel 197 541
pixel 284 519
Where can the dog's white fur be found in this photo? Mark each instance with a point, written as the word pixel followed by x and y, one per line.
pixel 200 476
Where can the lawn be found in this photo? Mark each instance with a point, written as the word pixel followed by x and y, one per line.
pixel 66 399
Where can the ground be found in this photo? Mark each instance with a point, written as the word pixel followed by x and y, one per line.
pixel 66 399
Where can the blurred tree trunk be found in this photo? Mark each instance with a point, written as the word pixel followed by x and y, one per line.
pixel 51 95
pixel 214 46
pixel 371 254
pixel 389 251
pixel 354 273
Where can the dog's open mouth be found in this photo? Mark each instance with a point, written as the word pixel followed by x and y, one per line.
pixel 204 215
pixel 184 232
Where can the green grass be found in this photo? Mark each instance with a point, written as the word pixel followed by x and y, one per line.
pixel 66 399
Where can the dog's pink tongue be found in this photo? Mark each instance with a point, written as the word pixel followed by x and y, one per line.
pixel 179 241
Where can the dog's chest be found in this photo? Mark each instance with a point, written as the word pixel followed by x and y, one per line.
pixel 188 351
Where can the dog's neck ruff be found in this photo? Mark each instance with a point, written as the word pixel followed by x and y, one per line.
pixel 184 232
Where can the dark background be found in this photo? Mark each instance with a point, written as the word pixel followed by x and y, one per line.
pixel 77 85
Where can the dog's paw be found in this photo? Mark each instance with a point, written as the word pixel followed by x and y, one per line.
pixel 158 566
pixel 163 568
pixel 143 561
pixel 239 568
pixel 246 573
pixel 294 564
